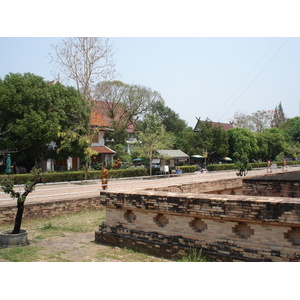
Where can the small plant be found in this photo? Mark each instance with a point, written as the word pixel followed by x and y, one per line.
pixel 48 226
pixel 193 256
pixel 8 188
pixel 242 164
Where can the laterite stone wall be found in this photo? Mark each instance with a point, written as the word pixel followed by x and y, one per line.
pixel 49 208
pixel 216 186
pixel 225 227
pixel 277 185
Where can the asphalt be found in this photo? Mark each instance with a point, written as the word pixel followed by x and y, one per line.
pixel 84 189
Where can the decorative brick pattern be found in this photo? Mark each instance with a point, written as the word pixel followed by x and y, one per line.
pixel 225 227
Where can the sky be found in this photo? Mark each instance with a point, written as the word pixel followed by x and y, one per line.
pixel 203 77
pixel 209 60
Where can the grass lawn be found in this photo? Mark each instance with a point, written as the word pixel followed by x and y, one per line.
pixel 70 238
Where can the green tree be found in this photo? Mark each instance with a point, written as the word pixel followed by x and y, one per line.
pixel 220 145
pixel 262 153
pixel 242 141
pixel 84 61
pixel 292 128
pixel 124 104
pixel 8 187
pixel 169 118
pixel 211 139
pixel 187 141
pixel 277 141
pixel 242 164
pixel 152 136
pixel 278 116
pixel 293 150
pixel 33 113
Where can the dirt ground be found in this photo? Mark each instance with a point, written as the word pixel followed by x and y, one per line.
pixel 79 247
pixel 75 247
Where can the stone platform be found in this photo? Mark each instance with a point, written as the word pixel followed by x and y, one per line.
pixel 171 221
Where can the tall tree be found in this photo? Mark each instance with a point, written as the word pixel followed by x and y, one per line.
pixel 34 111
pixel 278 116
pixel 152 136
pixel 210 139
pixel 169 118
pixel 242 141
pixel 85 61
pixel 277 141
pixel 187 142
pixel 292 128
pixel 256 122
pixel 124 104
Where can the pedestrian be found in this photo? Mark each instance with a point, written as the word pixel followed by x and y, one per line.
pixel 104 177
pixel 269 166
pixel 285 165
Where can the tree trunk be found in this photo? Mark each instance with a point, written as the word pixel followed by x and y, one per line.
pixel 18 219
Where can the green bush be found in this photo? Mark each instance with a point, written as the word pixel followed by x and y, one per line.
pixel 78 175
pixel 220 167
pixel 187 169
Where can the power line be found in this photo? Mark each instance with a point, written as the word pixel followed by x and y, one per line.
pixel 246 77
pixel 265 66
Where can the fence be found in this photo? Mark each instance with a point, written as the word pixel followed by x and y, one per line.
pixel 75 189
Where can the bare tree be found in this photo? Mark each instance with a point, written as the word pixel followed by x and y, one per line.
pixel 85 61
pixel 256 122
pixel 124 103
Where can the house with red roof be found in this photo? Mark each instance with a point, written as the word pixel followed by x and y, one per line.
pixel 101 125
pixel 224 126
pixel 100 129
pixel 115 115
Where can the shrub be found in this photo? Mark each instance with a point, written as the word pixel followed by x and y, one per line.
pixel 78 175
pixel 187 169
pixel 220 167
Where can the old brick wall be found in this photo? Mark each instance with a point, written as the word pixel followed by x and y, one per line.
pixel 271 188
pixel 49 208
pixel 215 186
pixel 228 228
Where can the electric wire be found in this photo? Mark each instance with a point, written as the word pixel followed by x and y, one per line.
pixel 246 77
pixel 257 75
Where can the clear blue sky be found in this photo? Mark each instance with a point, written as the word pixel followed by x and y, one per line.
pixel 205 77
pixel 227 59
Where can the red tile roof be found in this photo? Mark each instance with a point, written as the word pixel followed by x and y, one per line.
pixel 225 126
pixel 97 119
pixel 101 108
pixel 103 150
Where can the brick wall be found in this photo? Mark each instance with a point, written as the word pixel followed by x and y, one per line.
pixel 278 185
pixel 227 228
pixel 216 186
pixel 49 208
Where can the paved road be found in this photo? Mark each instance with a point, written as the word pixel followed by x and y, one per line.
pixel 92 188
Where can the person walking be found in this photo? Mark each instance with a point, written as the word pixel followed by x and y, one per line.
pixel 104 177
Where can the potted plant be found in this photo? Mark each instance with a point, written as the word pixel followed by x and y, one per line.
pixel 18 236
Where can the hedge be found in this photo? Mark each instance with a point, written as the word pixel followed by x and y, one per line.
pixel 122 173
pixel 77 175
pixel 220 167
pixel 92 175
pixel 187 169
